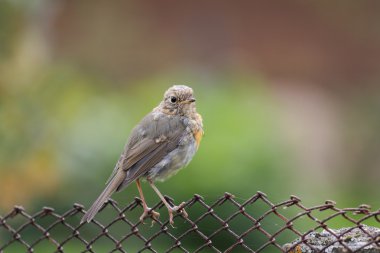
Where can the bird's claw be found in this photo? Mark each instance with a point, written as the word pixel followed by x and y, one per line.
pixel 180 209
pixel 149 212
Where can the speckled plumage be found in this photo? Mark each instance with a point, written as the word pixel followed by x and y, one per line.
pixel 163 142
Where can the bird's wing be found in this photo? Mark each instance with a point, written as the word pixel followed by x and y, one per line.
pixel 161 136
pixel 149 143
pixel 145 138
pixel 150 159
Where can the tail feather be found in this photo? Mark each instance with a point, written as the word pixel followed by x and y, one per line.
pixel 107 192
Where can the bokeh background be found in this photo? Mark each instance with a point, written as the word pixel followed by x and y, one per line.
pixel 289 92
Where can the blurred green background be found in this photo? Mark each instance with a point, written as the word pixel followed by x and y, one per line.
pixel 289 93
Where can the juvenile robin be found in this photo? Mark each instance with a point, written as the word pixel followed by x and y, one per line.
pixel 162 143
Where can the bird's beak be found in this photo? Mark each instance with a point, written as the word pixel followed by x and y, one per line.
pixel 188 101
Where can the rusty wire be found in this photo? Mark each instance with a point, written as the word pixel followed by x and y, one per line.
pixel 225 225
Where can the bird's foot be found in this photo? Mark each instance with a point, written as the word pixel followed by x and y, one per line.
pixel 180 209
pixel 149 212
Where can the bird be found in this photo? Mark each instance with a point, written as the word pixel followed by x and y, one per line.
pixel 164 141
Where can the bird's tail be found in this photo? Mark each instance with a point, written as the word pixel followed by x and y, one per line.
pixel 110 188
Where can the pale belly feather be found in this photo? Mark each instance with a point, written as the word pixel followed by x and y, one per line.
pixel 174 161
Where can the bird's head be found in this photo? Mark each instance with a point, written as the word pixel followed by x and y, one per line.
pixel 178 99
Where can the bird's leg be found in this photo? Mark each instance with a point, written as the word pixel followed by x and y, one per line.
pixel 147 211
pixel 170 208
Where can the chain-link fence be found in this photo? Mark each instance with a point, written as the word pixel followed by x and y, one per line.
pixel 228 224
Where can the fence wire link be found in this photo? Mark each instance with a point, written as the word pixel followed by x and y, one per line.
pixel 225 225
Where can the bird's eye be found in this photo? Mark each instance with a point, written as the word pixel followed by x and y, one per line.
pixel 173 99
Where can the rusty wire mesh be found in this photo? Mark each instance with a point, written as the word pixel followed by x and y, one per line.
pixel 225 225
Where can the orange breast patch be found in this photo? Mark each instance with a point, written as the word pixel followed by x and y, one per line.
pixel 198 136
pixel 198 131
